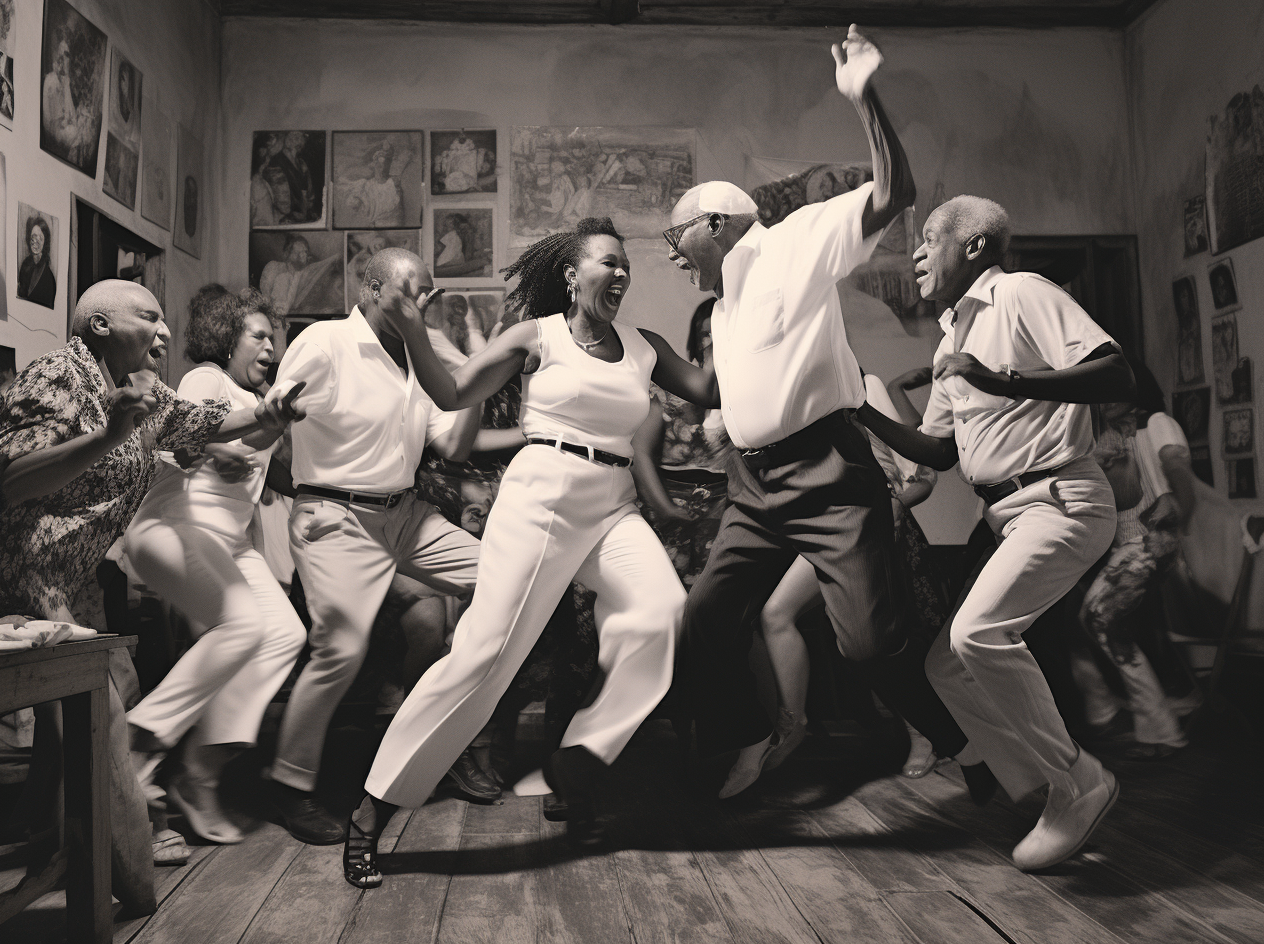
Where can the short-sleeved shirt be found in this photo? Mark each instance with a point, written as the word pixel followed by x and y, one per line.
pixel 1023 321
pixel 781 351
pixel 50 547
pixel 367 423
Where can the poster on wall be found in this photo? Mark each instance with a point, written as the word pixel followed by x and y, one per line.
pixel 8 28
pixel 1192 410
pixel 462 242
pixel 1224 355
pixel 72 86
pixel 37 256
pixel 1224 287
pixel 464 311
pixel 1239 431
pixel 300 272
pixel 632 175
pixel 287 180
pixel 8 366
pixel 1235 172
pixel 1240 473
pixel 123 131
pixel 1195 226
pixel 363 245
pixel 122 169
pixel 463 161
pixel 1189 332
pixel 187 234
pixel 378 179
pixel 155 178
pixel 4 230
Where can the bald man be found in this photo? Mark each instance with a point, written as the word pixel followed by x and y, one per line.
pixel 1018 366
pixel 808 483
pixel 356 519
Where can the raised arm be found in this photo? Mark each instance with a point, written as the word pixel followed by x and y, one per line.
pixel 857 59
pixel 688 381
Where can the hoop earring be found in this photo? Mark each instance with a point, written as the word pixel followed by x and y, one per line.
pixel 570 290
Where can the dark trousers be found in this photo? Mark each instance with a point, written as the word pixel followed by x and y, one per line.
pixel 829 504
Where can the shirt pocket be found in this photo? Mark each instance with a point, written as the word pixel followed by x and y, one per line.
pixel 764 324
pixel 314 520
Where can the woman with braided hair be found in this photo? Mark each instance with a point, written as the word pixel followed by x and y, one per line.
pixel 566 511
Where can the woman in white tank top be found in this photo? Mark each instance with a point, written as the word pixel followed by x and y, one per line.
pixel 566 511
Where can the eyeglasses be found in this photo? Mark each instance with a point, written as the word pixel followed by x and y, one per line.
pixel 673 234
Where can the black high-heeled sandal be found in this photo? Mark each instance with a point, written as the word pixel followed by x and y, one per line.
pixel 359 857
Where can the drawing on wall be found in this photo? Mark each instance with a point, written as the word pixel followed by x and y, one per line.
pixel 287 179
pixel 632 175
pixel 155 178
pixel 1239 430
pixel 4 215
pixel 187 234
pixel 462 242
pixel 377 179
pixel 300 272
pixel 1189 332
pixel 1224 287
pixel 464 311
pixel 463 161
pixel 1231 375
pixel 1241 476
pixel 8 27
pixel 123 131
pixel 1235 172
pixel 1195 226
pixel 363 245
pixel 1192 410
pixel 37 256
pixel 8 366
pixel 121 170
pixel 72 86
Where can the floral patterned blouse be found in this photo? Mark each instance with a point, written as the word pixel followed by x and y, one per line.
pixel 51 546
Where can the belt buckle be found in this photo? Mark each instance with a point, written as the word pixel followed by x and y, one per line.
pixel 393 499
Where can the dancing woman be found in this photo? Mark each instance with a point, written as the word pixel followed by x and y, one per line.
pixel 565 512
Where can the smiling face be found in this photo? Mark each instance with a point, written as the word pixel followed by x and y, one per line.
pixel 252 354
pixel 601 278
pixel 697 250
pixel 944 271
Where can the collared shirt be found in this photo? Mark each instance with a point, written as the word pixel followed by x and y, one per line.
pixel 781 351
pixel 366 423
pixel 1023 321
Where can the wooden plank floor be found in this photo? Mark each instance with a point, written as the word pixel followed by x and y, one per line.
pixel 833 847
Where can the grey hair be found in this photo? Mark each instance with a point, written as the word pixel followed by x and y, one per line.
pixel 966 216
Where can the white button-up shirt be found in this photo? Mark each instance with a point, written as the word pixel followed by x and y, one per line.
pixel 366 423
pixel 1023 321
pixel 780 345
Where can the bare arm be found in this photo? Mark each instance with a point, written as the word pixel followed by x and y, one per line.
pixel 898 391
pixel 1179 472
pixel 938 453
pixel 1103 376
pixel 688 381
pixel 456 443
pixel 261 426
pixel 647 451
pixel 496 440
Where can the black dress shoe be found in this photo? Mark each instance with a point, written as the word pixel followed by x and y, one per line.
pixel 573 773
pixel 555 808
pixel 980 781
pixel 304 817
pixel 471 781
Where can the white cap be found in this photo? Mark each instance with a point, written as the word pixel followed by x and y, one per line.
pixel 720 196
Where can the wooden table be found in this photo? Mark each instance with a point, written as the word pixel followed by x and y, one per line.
pixel 77 673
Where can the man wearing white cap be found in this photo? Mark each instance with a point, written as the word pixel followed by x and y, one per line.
pixel 808 482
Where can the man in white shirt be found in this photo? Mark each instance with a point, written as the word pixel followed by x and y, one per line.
pixel 356 519
pixel 1019 363
pixel 808 483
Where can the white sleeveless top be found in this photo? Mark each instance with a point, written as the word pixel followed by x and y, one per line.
pixel 585 400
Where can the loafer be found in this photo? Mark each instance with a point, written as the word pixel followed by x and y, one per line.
pixel 573 773
pixel 555 808
pixel 470 780
pixel 1065 826
pixel 305 819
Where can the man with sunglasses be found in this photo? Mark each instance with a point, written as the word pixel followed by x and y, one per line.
pixel 808 483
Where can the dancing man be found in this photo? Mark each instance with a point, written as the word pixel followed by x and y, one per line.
pixel 1013 377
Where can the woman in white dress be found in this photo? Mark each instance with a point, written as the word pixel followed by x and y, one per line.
pixel 188 543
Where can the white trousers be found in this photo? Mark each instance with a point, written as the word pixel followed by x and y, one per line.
pixel 558 518
pixel 1050 533
pixel 346 556
pixel 248 634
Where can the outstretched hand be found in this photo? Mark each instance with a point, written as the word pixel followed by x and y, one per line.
pixel 278 409
pixel 856 59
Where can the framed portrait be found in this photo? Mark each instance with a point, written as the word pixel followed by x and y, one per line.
pixel 1189 332
pixel 155 178
pixel 1224 287
pixel 462 311
pixel 363 245
pixel 4 251
pixel 1235 172
pixel 1240 473
pixel 462 161
pixel 1239 430
pixel 72 86
pixel 8 29
pixel 300 271
pixel 37 256
pixel 1195 226
pixel 378 178
pixel 287 179
pixel 8 366
pixel 122 169
pixel 462 243
pixel 187 234
pixel 125 100
pixel 1192 411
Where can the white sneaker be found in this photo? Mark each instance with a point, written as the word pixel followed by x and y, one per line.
pixel 1065 825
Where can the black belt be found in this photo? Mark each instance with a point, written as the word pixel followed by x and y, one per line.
pixel 588 452
pixel 354 498
pixel 807 443
pixel 994 493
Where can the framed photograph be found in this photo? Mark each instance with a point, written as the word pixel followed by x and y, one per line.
pixel 155 178
pixel 72 84
pixel 1224 287
pixel 1241 477
pixel 4 250
pixel 37 256
pixel 1192 411
pixel 1235 172
pixel 1239 430
pixel 125 100
pixel 287 180
pixel 363 245
pixel 8 29
pixel 462 161
pixel 463 311
pixel 8 367
pixel 122 168
pixel 462 242
pixel 632 175
pixel 1195 226
pixel 301 271
pixel 378 178
pixel 1189 332
pixel 187 234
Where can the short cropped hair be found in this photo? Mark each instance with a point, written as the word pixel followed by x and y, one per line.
pixel 967 216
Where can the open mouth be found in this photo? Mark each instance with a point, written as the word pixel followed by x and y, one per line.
pixel 157 351
pixel 614 295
